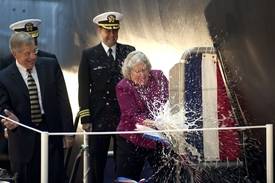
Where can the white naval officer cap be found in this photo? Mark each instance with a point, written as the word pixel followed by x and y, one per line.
pixel 28 25
pixel 108 20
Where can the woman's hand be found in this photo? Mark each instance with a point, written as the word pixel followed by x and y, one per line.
pixel 149 123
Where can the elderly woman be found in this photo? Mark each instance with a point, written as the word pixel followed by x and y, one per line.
pixel 140 94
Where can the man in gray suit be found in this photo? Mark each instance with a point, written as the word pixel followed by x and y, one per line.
pixel 30 26
pixel 33 92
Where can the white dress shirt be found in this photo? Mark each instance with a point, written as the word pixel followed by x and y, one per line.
pixel 24 73
pixel 106 48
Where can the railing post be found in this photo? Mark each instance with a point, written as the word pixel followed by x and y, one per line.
pixel 44 156
pixel 269 153
pixel 85 158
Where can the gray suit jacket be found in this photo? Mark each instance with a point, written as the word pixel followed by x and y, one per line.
pixel 14 96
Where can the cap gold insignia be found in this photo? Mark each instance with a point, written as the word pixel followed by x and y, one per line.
pixel 29 27
pixel 111 18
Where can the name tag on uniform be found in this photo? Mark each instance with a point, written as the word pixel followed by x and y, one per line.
pixel 98 68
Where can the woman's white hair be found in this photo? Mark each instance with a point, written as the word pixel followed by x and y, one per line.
pixel 134 58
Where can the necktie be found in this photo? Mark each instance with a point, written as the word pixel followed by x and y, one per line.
pixel 110 54
pixel 36 115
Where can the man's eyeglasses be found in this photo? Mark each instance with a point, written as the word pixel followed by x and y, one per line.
pixel 29 52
